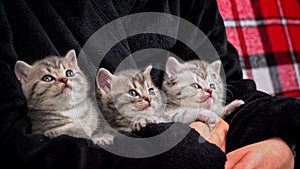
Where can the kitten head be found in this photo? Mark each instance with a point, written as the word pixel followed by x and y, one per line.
pixel 193 84
pixel 131 91
pixel 52 83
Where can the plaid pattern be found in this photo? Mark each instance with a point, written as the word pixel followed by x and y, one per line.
pixel 266 34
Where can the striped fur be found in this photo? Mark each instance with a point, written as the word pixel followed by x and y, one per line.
pixel 187 104
pixel 179 78
pixel 121 110
pixel 60 106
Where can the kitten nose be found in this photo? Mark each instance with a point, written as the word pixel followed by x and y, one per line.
pixel 147 99
pixel 208 90
pixel 64 80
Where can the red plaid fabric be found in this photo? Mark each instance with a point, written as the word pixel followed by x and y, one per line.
pixel 266 34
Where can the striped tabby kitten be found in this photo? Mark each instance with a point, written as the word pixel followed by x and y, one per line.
pixel 195 91
pixel 57 99
pixel 128 99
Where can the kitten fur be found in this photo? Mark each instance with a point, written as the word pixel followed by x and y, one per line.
pixel 195 91
pixel 127 99
pixel 56 91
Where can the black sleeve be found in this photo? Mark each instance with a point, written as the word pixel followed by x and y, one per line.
pixel 31 30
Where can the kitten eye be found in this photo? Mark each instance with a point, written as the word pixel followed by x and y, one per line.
pixel 133 93
pixel 151 91
pixel 70 73
pixel 196 86
pixel 48 78
pixel 212 86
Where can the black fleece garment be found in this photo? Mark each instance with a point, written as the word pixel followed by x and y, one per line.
pixel 31 30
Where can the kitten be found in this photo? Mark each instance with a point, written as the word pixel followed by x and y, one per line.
pixel 56 91
pixel 195 91
pixel 128 99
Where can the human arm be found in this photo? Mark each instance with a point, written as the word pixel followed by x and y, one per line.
pixel 269 154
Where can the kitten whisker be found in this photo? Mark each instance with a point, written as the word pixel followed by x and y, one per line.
pixel 51 111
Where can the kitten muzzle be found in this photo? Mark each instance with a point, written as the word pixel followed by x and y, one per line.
pixel 146 107
pixel 66 88
pixel 207 102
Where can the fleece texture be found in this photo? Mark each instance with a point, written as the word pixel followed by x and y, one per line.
pixel 31 30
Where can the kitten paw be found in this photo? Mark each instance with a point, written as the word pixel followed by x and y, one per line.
pixel 141 121
pixel 210 118
pixel 138 124
pixel 51 133
pixel 232 106
pixel 105 139
pixel 153 119
pixel 236 103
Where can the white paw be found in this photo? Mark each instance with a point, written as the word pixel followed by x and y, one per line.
pixel 52 133
pixel 141 121
pixel 238 103
pixel 137 124
pixel 152 119
pixel 104 139
pixel 209 117
pixel 232 106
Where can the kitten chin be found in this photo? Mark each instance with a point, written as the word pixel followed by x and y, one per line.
pixel 56 92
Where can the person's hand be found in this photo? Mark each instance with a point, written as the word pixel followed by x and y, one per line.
pixel 216 136
pixel 269 154
pixel 273 153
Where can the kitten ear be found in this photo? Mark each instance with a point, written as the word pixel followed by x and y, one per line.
pixel 147 71
pixel 104 80
pixel 22 70
pixel 172 66
pixel 71 57
pixel 216 65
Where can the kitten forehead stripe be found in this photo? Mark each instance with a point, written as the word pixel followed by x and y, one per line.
pixel 53 116
pixel 48 63
pixel 63 66
pixel 138 80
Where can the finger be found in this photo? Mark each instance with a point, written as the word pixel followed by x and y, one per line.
pixel 218 135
